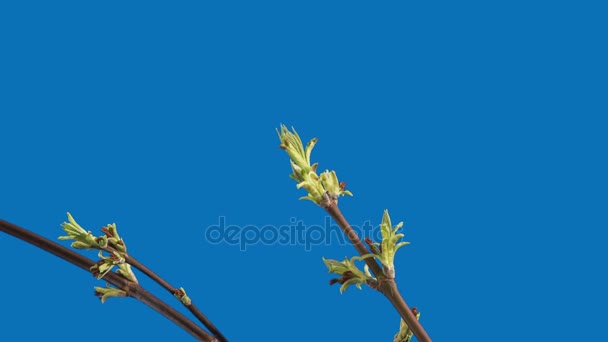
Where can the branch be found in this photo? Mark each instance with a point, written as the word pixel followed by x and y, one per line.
pixel 175 291
pixel 324 190
pixel 386 286
pixel 134 290
pixel 336 214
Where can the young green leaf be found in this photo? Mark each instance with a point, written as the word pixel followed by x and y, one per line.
pixel 405 333
pixel 351 274
pixel 323 190
pixel 385 251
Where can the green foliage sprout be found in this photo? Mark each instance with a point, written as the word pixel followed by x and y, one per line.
pixel 385 251
pixel 322 190
pixel 351 274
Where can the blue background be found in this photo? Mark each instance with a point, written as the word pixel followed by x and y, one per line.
pixel 482 126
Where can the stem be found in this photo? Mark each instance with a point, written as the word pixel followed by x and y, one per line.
pixel 387 287
pixel 336 214
pixel 139 293
pixel 162 282
pixel 134 290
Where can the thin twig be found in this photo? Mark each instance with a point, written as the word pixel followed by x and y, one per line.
pixel 387 288
pixel 336 214
pixel 191 307
pixel 134 290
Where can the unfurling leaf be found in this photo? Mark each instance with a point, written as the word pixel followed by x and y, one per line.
pixel 351 274
pixel 325 189
pixel 385 251
pixel 405 333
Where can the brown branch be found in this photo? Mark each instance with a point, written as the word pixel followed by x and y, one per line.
pixel 191 307
pixel 134 290
pixel 387 287
pixel 336 214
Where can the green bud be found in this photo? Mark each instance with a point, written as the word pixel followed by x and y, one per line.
pixel 389 245
pixel 106 292
pixel 405 333
pixel 349 272
pixel 324 190
pixel 75 232
pixel 126 272
pixel 182 296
